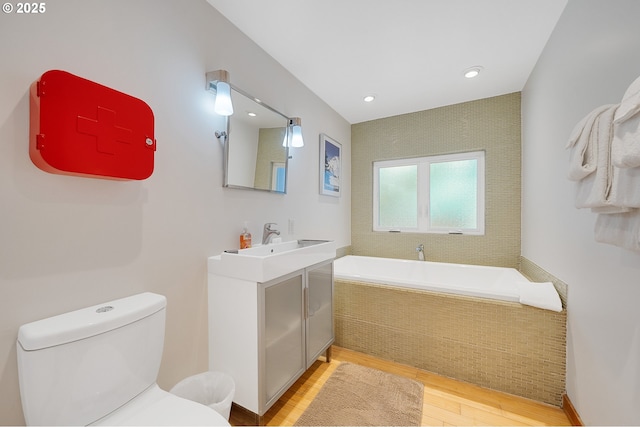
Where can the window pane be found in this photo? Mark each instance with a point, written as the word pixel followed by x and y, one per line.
pixel 398 196
pixel 280 179
pixel 454 194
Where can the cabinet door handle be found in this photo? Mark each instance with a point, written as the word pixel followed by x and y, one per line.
pixel 306 302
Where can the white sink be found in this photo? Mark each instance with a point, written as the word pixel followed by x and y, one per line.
pixel 266 262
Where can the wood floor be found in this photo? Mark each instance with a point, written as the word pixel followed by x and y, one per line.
pixel 447 402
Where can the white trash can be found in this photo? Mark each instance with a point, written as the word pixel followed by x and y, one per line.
pixel 214 389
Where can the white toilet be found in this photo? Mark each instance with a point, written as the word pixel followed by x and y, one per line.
pixel 99 365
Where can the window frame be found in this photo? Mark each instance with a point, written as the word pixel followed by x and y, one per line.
pixel 423 188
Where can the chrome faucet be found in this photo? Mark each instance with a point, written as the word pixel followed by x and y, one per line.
pixel 420 250
pixel 268 232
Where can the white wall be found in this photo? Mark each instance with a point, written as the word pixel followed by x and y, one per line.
pixel 68 242
pixel 590 60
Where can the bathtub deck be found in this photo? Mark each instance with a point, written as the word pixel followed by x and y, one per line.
pixel 446 401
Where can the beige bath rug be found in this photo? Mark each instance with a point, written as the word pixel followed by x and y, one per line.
pixel 358 396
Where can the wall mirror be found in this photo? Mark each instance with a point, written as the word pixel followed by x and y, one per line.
pixel 254 155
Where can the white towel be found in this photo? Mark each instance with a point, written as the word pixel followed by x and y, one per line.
pixel 610 209
pixel 598 189
pixel 625 147
pixel 630 104
pixel 541 295
pixel 583 145
pixel 619 229
pixel 626 188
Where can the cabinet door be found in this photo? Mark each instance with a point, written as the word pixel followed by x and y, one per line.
pixel 319 310
pixel 283 336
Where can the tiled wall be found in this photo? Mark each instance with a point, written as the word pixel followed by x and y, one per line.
pixel 500 345
pixel 492 125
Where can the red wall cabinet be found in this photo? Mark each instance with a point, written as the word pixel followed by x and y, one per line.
pixel 79 127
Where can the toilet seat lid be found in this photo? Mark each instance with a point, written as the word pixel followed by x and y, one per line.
pixel 157 407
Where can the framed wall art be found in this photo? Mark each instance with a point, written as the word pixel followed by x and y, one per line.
pixel 330 166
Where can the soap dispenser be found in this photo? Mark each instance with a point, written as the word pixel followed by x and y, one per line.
pixel 245 238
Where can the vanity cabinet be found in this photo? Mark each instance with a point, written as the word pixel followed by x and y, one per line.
pixel 267 334
pixel 319 306
pixel 283 327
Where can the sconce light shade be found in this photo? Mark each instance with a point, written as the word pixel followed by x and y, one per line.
pixel 296 137
pixel 223 105
pixel 293 136
pixel 218 82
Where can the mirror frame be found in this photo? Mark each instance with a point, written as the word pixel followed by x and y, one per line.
pixel 228 139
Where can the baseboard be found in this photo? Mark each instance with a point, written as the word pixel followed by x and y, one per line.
pixel 570 411
pixel 241 416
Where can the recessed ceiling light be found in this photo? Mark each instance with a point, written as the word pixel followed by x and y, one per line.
pixel 369 98
pixel 472 72
pixel 252 114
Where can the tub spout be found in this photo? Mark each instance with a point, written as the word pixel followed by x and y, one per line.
pixel 420 250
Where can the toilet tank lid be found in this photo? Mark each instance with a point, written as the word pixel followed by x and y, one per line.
pixel 88 322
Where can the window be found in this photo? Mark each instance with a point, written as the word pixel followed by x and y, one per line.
pixel 437 194
pixel 278 176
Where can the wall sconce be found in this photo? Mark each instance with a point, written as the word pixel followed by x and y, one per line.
pixel 293 136
pixel 218 82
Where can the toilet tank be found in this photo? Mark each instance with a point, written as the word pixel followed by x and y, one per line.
pixel 79 366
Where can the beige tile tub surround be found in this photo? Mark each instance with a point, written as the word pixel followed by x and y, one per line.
pixel 491 124
pixel 500 345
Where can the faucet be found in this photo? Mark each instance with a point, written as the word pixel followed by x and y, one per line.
pixel 420 250
pixel 268 232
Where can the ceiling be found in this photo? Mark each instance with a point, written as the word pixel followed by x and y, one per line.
pixel 409 54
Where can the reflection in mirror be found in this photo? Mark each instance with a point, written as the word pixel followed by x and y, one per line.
pixel 254 154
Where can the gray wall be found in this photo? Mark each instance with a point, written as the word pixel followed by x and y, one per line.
pixel 491 124
pixel 590 60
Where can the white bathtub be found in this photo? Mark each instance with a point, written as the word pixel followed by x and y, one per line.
pixel 472 280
